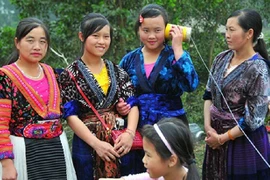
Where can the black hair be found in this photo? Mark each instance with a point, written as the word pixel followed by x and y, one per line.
pixel 23 28
pixel 92 23
pixel 151 11
pixel 251 19
pixel 179 137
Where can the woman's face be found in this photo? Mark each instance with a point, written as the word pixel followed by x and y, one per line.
pixel 33 47
pixel 235 36
pixel 151 32
pixel 98 43
pixel 156 167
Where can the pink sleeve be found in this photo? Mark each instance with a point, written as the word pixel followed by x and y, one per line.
pixel 141 176
pixel 6 148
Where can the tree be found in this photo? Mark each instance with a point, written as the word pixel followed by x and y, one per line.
pixel 205 17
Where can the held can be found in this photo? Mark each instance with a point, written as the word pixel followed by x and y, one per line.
pixel 186 31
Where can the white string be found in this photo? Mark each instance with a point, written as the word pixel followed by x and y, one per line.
pixel 227 104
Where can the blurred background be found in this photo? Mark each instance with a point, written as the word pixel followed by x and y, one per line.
pixel 206 17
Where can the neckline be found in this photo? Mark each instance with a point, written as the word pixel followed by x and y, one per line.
pixel 35 78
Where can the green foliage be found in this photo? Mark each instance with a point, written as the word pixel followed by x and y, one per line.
pixel 6 43
pixel 193 104
pixel 207 19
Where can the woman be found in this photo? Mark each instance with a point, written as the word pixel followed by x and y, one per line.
pixel 32 142
pixel 102 83
pixel 242 75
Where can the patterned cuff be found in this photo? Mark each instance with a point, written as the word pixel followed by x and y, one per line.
pixel 133 101
pixel 6 151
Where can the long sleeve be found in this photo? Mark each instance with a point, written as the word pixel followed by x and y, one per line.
pixel 141 176
pixel 256 105
pixel 188 77
pixel 6 147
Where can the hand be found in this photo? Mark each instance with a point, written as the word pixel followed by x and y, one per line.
pixel 209 128
pixel 177 37
pixel 122 107
pixel 9 170
pixel 212 140
pixel 106 151
pixel 123 143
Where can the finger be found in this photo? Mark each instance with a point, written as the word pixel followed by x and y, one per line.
pixel 127 150
pixel 114 153
pixel 124 151
pixel 118 146
pixel 121 100
pixel 117 141
pixel 107 159
pixel 127 111
pixel 111 156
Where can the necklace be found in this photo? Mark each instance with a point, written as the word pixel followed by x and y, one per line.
pixel 99 70
pixel 32 77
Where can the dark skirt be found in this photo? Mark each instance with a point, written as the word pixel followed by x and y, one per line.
pixel 45 159
pixel 237 159
pixel 83 159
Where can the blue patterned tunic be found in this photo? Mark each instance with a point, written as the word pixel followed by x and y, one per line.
pixel 160 94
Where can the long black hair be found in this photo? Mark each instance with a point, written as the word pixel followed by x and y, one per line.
pixel 251 19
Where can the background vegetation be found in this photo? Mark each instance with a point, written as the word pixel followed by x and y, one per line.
pixel 207 19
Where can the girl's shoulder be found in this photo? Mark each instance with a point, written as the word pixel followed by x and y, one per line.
pixel 132 53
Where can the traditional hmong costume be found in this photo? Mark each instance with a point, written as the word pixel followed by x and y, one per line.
pixel 103 91
pixel 159 94
pixel 31 132
pixel 245 89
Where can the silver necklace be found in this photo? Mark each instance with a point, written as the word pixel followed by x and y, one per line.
pixel 32 77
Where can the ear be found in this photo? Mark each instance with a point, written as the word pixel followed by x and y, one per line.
pixel 250 33
pixel 16 43
pixel 80 34
pixel 173 160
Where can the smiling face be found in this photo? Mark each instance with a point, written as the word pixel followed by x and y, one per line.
pixel 156 167
pixel 98 43
pixel 235 36
pixel 33 47
pixel 151 32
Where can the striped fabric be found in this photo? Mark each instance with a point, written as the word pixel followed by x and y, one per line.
pixel 5 144
pixel 45 159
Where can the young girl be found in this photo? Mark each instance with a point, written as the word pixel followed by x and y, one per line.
pixel 159 72
pixel 103 83
pixel 32 142
pixel 168 152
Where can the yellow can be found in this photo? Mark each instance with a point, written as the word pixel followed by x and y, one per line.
pixel 185 30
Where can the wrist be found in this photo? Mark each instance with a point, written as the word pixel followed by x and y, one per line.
pixel 130 132
pixel 6 162
pixel 231 137
pixel 222 138
pixel 207 127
